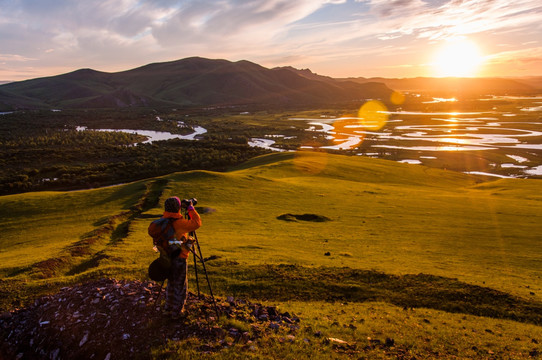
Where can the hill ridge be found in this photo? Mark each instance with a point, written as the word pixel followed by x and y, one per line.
pixel 192 81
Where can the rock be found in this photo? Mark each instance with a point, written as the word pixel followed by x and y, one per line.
pixel 272 311
pixel 245 337
pixel 92 317
pixel 83 340
pixel 389 342
pixel 337 341
pixel 5 315
pixel 327 254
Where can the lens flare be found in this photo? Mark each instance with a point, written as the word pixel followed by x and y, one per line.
pixel 397 98
pixel 373 115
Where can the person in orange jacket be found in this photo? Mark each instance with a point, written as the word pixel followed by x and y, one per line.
pixel 177 287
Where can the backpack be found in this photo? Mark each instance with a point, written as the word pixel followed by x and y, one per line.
pixel 163 236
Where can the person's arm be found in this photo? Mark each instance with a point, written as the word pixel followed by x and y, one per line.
pixel 194 222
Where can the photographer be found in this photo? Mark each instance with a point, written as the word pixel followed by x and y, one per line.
pixel 177 287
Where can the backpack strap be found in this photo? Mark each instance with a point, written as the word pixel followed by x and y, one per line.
pixel 169 225
pixel 161 240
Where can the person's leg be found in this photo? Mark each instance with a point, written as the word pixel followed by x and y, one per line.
pixel 183 274
pixel 177 288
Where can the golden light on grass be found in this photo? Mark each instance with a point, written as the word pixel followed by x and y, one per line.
pixel 457 58
pixel 309 162
pixel 373 115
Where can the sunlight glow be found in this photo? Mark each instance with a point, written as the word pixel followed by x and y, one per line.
pixel 459 58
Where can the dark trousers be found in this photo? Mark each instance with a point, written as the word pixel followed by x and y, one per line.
pixel 177 286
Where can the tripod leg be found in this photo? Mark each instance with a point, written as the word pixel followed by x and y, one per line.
pixel 159 293
pixel 196 271
pixel 206 276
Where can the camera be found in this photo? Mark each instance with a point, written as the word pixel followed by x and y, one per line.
pixel 187 202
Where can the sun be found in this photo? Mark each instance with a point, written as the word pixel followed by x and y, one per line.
pixel 458 58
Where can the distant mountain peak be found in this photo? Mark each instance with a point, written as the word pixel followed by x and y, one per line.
pixel 306 73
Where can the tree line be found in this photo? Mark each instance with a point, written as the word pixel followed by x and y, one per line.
pixel 48 153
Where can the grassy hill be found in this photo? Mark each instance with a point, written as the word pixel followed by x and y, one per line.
pixel 381 236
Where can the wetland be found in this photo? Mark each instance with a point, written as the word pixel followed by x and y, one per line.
pixel 73 149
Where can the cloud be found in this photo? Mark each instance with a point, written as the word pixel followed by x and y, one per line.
pixel 234 20
pixel 454 18
pixel 385 8
pixel 16 58
pixel 113 35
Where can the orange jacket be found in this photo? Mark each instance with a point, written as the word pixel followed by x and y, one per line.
pixel 183 226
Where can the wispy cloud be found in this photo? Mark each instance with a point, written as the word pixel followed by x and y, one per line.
pixel 455 18
pixel 12 57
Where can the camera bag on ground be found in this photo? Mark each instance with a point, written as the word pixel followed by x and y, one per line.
pixel 159 269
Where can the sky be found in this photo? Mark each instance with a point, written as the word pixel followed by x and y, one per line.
pixel 338 38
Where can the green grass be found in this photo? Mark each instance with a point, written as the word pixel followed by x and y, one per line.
pixel 449 245
pixel 38 226
pixel 375 330
pixel 395 218
pixel 390 217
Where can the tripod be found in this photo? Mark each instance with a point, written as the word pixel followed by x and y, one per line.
pixel 199 256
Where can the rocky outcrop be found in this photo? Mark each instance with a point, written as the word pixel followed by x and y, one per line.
pixel 112 319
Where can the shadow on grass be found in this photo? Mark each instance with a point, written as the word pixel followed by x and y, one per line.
pixel 291 282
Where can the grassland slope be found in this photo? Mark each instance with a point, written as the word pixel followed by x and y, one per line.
pixel 391 217
pixel 404 235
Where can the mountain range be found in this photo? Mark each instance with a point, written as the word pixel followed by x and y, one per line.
pixel 461 87
pixel 183 83
pixel 201 82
